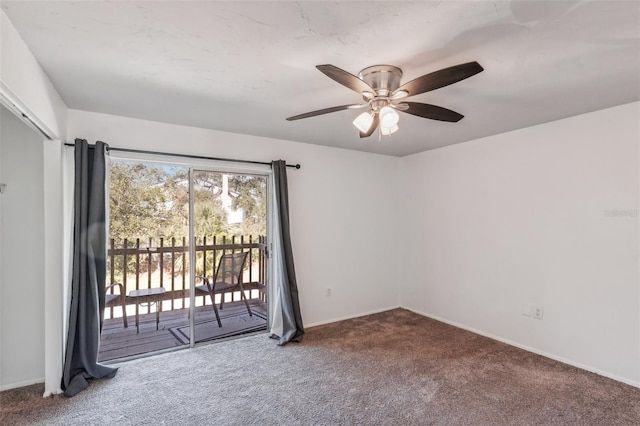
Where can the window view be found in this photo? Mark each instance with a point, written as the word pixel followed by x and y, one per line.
pixel 147 301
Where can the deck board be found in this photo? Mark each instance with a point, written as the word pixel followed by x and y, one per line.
pixel 119 342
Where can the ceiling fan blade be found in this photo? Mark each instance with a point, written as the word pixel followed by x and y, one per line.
pixel 441 78
pixel 346 79
pixel 322 111
pixel 372 128
pixel 433 112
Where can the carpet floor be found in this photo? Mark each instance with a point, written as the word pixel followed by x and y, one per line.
pixel 392 368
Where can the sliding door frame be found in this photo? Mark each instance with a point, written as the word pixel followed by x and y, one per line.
pixel 214 166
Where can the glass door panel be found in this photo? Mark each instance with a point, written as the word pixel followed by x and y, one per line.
pixel 229 231
pixel 148 259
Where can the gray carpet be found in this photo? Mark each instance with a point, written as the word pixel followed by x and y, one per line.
pixel 393 368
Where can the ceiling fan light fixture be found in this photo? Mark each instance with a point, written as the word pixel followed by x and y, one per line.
pixel 363 121
pixel 386 131
pixel 388 117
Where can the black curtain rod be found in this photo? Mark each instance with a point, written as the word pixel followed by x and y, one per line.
pixel 198 157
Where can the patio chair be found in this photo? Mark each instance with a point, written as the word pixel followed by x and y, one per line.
pixel 111 300
pixel 228 278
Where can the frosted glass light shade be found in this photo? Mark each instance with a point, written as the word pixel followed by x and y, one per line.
pixel 388 117
pixel 363 122
pixel 386 131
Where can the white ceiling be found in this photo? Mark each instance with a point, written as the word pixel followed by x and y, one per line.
pixel 244 67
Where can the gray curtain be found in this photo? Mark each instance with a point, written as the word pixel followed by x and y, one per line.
pixel 292 328
pixel 89 270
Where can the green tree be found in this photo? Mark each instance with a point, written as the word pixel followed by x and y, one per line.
pixel 150 201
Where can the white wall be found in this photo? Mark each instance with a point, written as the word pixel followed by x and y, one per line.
pixel 53 262
pixel 343 207
pixel 25 84
pixel 527 217
pixel 21 268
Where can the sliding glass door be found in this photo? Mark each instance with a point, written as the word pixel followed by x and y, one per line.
pixel 176 236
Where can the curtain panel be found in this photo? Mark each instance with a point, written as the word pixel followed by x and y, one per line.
pixel 288 307
pixel 88 270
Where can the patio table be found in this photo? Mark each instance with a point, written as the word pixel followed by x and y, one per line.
pixel 147 295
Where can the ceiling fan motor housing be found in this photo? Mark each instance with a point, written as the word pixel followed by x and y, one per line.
pixel 384 79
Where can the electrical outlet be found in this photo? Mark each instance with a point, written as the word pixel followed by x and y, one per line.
pixel 328 291
pixel 526 310
pixel 538 312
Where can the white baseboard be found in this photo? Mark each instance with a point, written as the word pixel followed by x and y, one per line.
pixel 22 384
pixel 362 314
pixel 437 318
pixel 530 349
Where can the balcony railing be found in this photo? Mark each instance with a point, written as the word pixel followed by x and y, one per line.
pixel 138 264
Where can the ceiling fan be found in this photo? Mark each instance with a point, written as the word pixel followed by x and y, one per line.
pixel 380 88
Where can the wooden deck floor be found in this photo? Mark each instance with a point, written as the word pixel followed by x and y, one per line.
pixel 119 342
